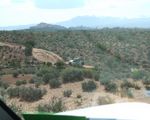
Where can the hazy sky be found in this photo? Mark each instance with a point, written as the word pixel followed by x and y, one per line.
pixel 19 12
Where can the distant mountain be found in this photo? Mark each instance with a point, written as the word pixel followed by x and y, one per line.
pixel 100 22
pixel 85 23
pixel 18 27
pixel 47 27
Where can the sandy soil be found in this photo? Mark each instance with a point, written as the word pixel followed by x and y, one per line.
pixel 45 56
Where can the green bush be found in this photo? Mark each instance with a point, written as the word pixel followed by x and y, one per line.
pixel 21 82
pixel 36 80
pixel 79 96
pixel 60 65
pixel 26 93
pixel 54 83
pixel 67 93
pixel 137 74
pixel 111 87
pixel 31 94
pixel 4 84
pixel 55 105
pixel 15 74
pixel 13 91
pixel 72 75
pixel 103 100
pixel 105 78
pixel 88 86
pixel 87 73
pixel 146 80
pixel 51 74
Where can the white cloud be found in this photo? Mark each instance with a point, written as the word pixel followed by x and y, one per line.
pixel 118 8
pixel 26 12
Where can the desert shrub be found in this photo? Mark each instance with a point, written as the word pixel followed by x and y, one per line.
pixel 79 96
pixel 60 65
pixel 96 76
pixel 54 83
pixel 102 100
pixel 111 87
pixel 72 75
pixel 4 84
pixel 15 74
pixel 29 45
pixel 26 93
pixel 51 74
pixel 67 93
pixel 92 74
pixel 146 80
pixel 31 94
pixel 129 84
pixel 13 91
pixel 105 78
pixel 126 93
pixel 88 86
pixel 137 74
pixel 54 105
pixel 21 82
pixel 87 73
pixel 36 80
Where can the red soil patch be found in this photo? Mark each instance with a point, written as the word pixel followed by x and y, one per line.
pixel 11 80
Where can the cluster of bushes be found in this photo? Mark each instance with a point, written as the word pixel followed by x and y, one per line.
pixel 146 80
pixel 130 84
pixel 137 74
pixel 54 105
pixel 88 86
pixel 111 87
pixel 21 82
pixel 48 74
pixel 72 75
pixel 26 93
pixel 78 74
pixel 3 84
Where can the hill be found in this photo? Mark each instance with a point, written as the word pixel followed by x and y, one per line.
pixel 47 27
pixel 113 51
pixel 28 82
pixel 101 22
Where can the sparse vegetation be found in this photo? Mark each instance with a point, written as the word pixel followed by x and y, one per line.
pixel 55 105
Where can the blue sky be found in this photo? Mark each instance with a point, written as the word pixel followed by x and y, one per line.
pixel 20 12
